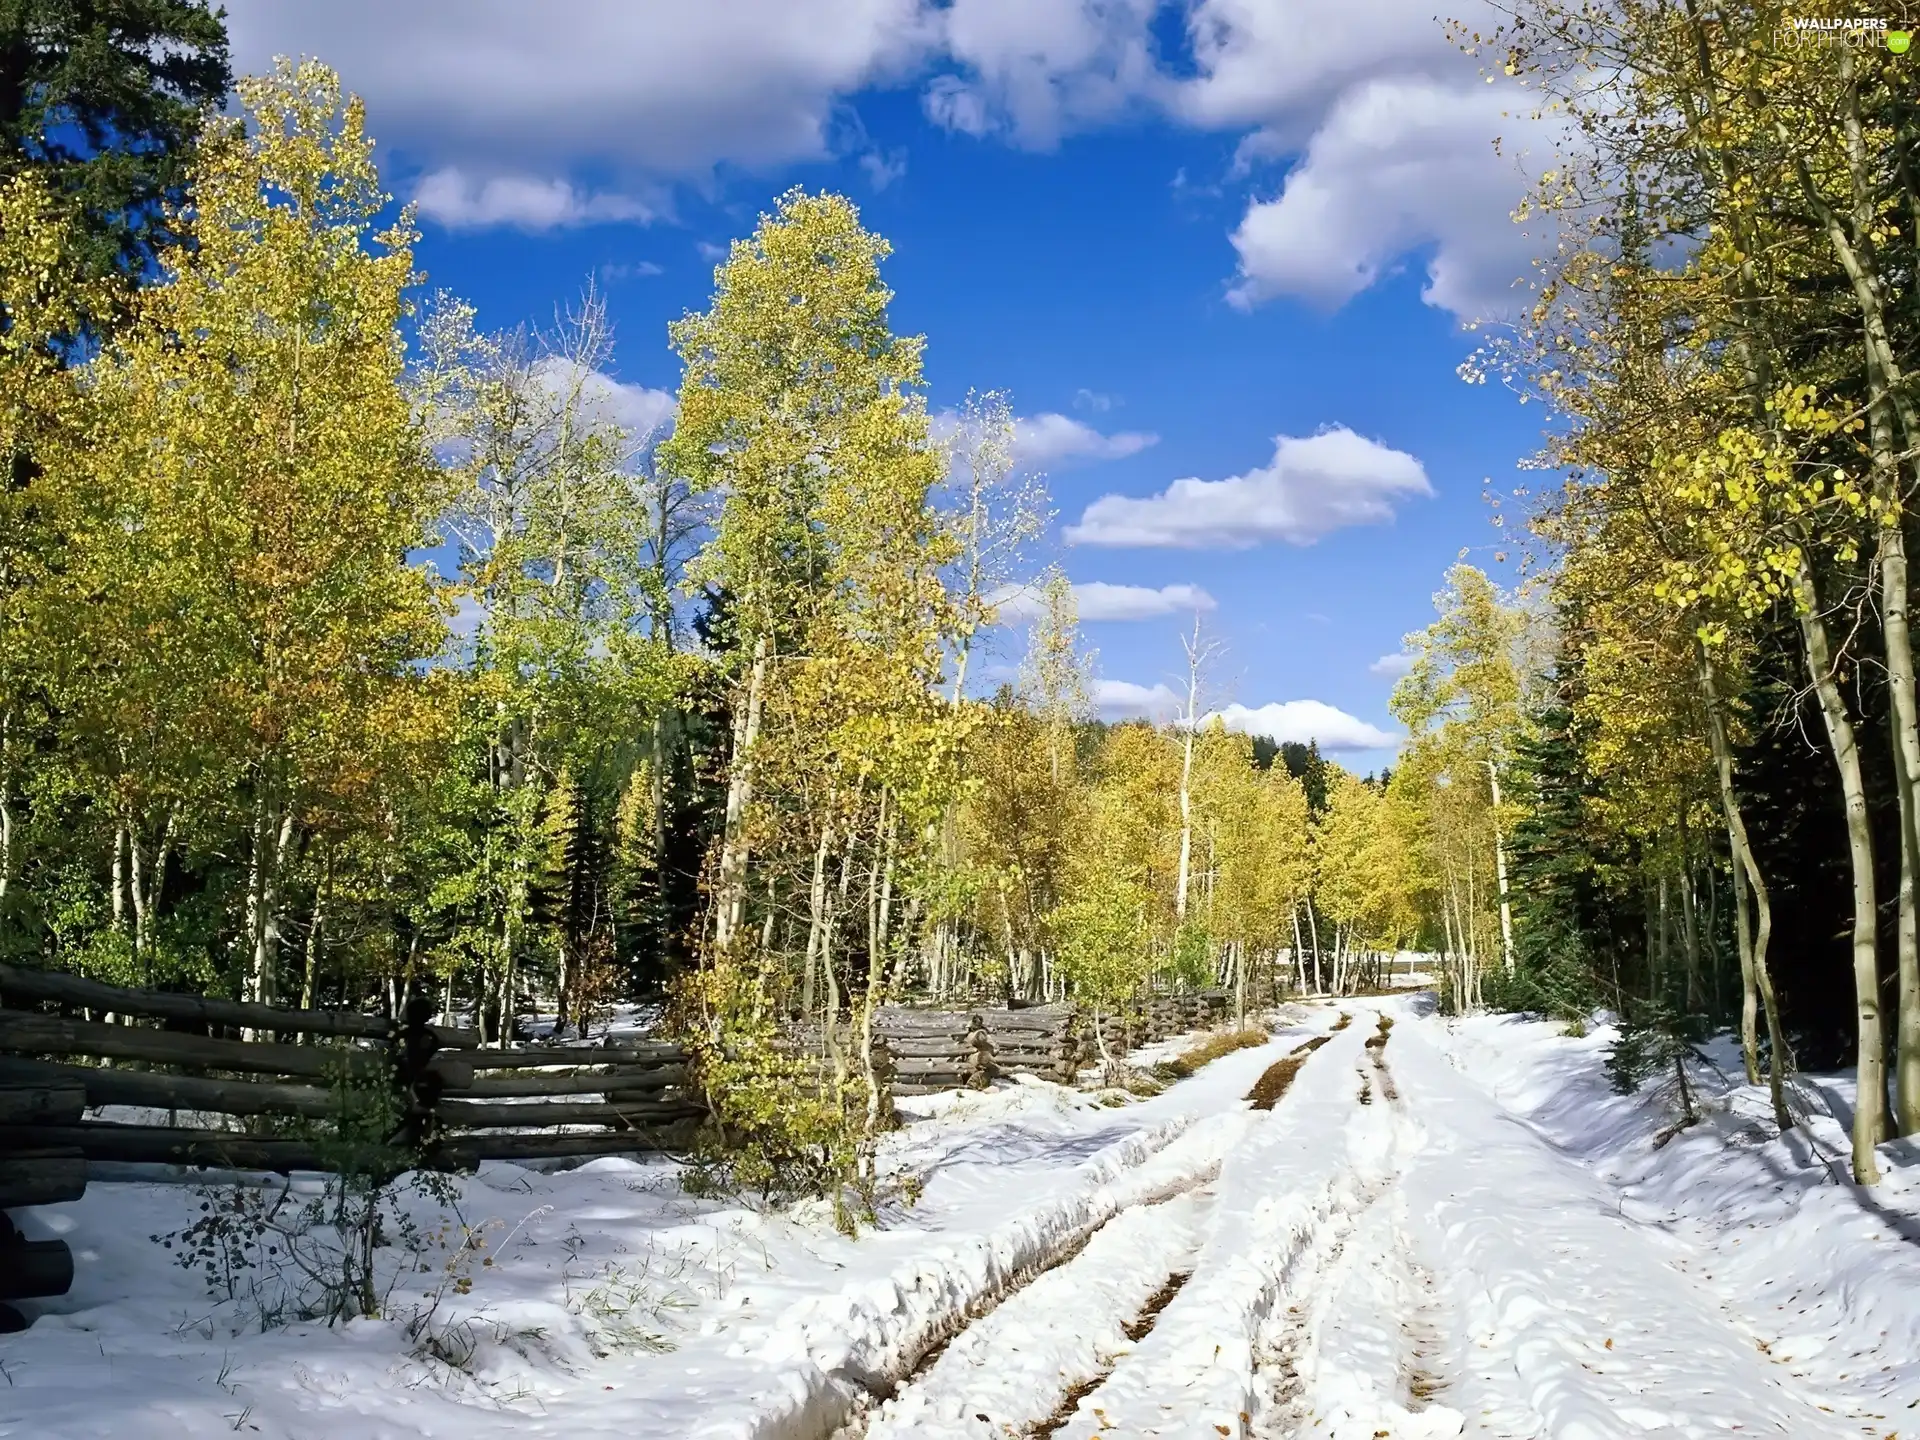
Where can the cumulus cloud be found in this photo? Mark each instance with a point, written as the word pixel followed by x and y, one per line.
pixel 464 202
pixel 640 411
pixel 1278 64
pixel 1123 700
pixel 1392 666
pixel 1312 487
pixel 1284 722
pixel 1096 600
pixel 638 90
pixel 1299 721
pixel 506 107
pixel 1032 70
pixel 1050 439
pixel 1399 165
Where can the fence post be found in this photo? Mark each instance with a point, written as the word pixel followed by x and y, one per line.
pixel 414 1044
pixel 1069 1069
pixel 980 1065
pixel 883 1072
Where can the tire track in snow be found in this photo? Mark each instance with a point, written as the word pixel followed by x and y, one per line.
pixel 1281 1200
pixel 1004 1375
pixel 1016 1364
pixel 1349 1355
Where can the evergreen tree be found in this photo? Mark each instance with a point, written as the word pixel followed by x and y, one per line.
pixel 107 98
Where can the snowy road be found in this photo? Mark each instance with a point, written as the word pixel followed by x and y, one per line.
pixel 1387 1253
pixel 1437 1229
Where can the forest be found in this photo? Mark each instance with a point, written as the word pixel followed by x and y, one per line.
pixel 350 653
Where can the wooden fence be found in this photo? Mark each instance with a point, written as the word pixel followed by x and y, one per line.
pixel 929 1050
pixel 234 1080
pixel 227 1083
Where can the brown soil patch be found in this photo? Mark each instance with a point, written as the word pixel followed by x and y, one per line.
pixel 1136 1330
pixel 1376 1050
pixel 1271 1086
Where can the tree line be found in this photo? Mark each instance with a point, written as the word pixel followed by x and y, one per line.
pixel 350 653
pixel 1711 756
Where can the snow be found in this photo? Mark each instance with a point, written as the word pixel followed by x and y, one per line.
pixel 1003 1373
pixel 1195 1369
pixel 1457 1231
pixel 737 1322
pixel 1823 1273
pixel 1568 1321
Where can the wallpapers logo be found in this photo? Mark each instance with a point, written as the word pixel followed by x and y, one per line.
pixel 1862 33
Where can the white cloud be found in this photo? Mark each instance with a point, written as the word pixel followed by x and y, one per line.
pixel 506 107
pixel 883 169
pixel 1096 600
pixel 639 90
pixel 1392 666
pixel 639 270
pixel 1050 439
pixel 1085 399
pixel 1298 721
pixel 1399 165
pixel 1032 70
pixel 467 617
pixel 1278 64
pixel 464 202
pixel 1123 700
pixel 1285 722
pixel 638 410
pixel 1312 487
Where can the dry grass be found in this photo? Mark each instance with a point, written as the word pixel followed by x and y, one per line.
pixel 1221 1042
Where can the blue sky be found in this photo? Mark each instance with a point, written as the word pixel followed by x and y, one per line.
pixel 1195 240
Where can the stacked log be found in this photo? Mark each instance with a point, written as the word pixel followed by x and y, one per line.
pixel 1037 1041
pixel 935 1050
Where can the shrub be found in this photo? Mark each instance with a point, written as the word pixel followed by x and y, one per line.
pixel 781 1126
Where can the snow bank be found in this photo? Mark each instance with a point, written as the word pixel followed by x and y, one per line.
pixel 1574 1324
pixel 1823 1273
